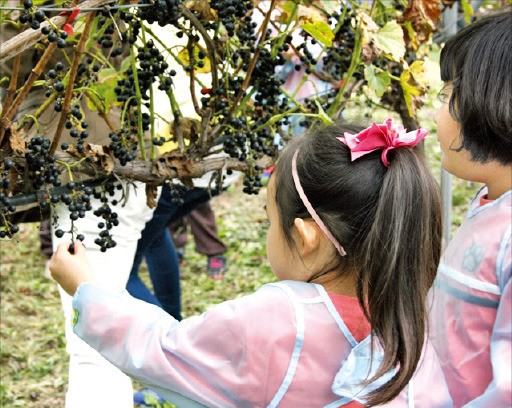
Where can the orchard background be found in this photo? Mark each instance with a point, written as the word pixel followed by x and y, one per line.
pixel 199 87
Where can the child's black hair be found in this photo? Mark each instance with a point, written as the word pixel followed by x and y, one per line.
pixel 389 222
pixel 477 62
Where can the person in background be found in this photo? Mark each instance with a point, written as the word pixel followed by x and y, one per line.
pixel 203 226
pixel 354 239
pixel 156 247
pixel 471 316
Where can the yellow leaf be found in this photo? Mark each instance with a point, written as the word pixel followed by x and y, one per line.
pixel 184 56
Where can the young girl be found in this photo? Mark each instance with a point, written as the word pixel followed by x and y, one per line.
pixel 471 325
pixel 354 239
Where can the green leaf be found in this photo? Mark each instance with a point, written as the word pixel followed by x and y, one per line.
pixel 103 90
pixel 378 82
pixel 127 63
pixel 390 39
pixel 288 10
pixel 468 11
pixel 320 31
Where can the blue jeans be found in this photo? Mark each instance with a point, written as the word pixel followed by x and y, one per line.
pixel 156 246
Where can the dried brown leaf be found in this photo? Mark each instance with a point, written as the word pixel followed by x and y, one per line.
pixel 151 195
pixel 173 164
pixel 97 154
pixel 369 53
pixel 422 14
pixel 202 7
pixel 190 127
pixel 16 141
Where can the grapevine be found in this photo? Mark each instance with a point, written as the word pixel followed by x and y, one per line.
pixel 105 56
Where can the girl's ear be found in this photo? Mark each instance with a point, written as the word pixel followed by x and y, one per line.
pixel 309 235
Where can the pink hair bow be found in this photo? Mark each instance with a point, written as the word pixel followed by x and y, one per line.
pixel 386 136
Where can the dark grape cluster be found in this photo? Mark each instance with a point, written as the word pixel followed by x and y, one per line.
pixel 268 86
pixel 54 85
pixel 107 29
pixel 77 198
pixel 123 144
pixel 54 35
pixel 134 23
pixel 40 164
pixel 253 182
pixel 35 17
pixel 31 15
pixel 77 128
pixel 108 216
pixel 337 59
pixel 177 193
pixel 230 12
pixel 307 59
pixel 162 12
pixel 152 66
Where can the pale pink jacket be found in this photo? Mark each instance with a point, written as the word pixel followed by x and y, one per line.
pixel 285 345
pixel 471 326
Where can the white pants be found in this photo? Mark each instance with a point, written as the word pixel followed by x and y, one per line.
pixel 93 381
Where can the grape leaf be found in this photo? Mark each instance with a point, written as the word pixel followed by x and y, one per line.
pixel 320 31
pixel 390 39
pixel 185 59
pixel 410 86
pixel 287 10
pixel 378 82
pixel 103 90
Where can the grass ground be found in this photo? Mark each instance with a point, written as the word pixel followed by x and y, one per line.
pixel 33 360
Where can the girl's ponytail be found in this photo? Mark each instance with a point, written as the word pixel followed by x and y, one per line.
pixel 399 262
pixel 383 208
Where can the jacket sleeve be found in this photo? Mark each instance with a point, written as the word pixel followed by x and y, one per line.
pixel 499 391
pixel 219 358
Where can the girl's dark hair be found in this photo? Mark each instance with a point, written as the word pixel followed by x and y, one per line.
pixel 389 222
pixel 477 61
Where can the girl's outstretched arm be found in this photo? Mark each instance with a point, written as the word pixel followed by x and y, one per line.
pixel 70 269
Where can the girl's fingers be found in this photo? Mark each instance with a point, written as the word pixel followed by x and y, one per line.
pixel 71 247
pixel 63 247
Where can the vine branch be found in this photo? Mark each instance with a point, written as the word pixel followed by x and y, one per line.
pixel 28 38
pixel 71 82
pixel 34 74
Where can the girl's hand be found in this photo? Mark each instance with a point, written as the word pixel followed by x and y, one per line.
pixel 70 269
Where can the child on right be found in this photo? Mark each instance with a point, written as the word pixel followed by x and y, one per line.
pixel 354 240
pixel 471 317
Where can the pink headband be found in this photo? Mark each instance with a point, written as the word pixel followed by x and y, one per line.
pixel 310 208
pixel 386 136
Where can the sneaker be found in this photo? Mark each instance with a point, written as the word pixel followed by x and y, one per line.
pixel 216 266
pixel 146 398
